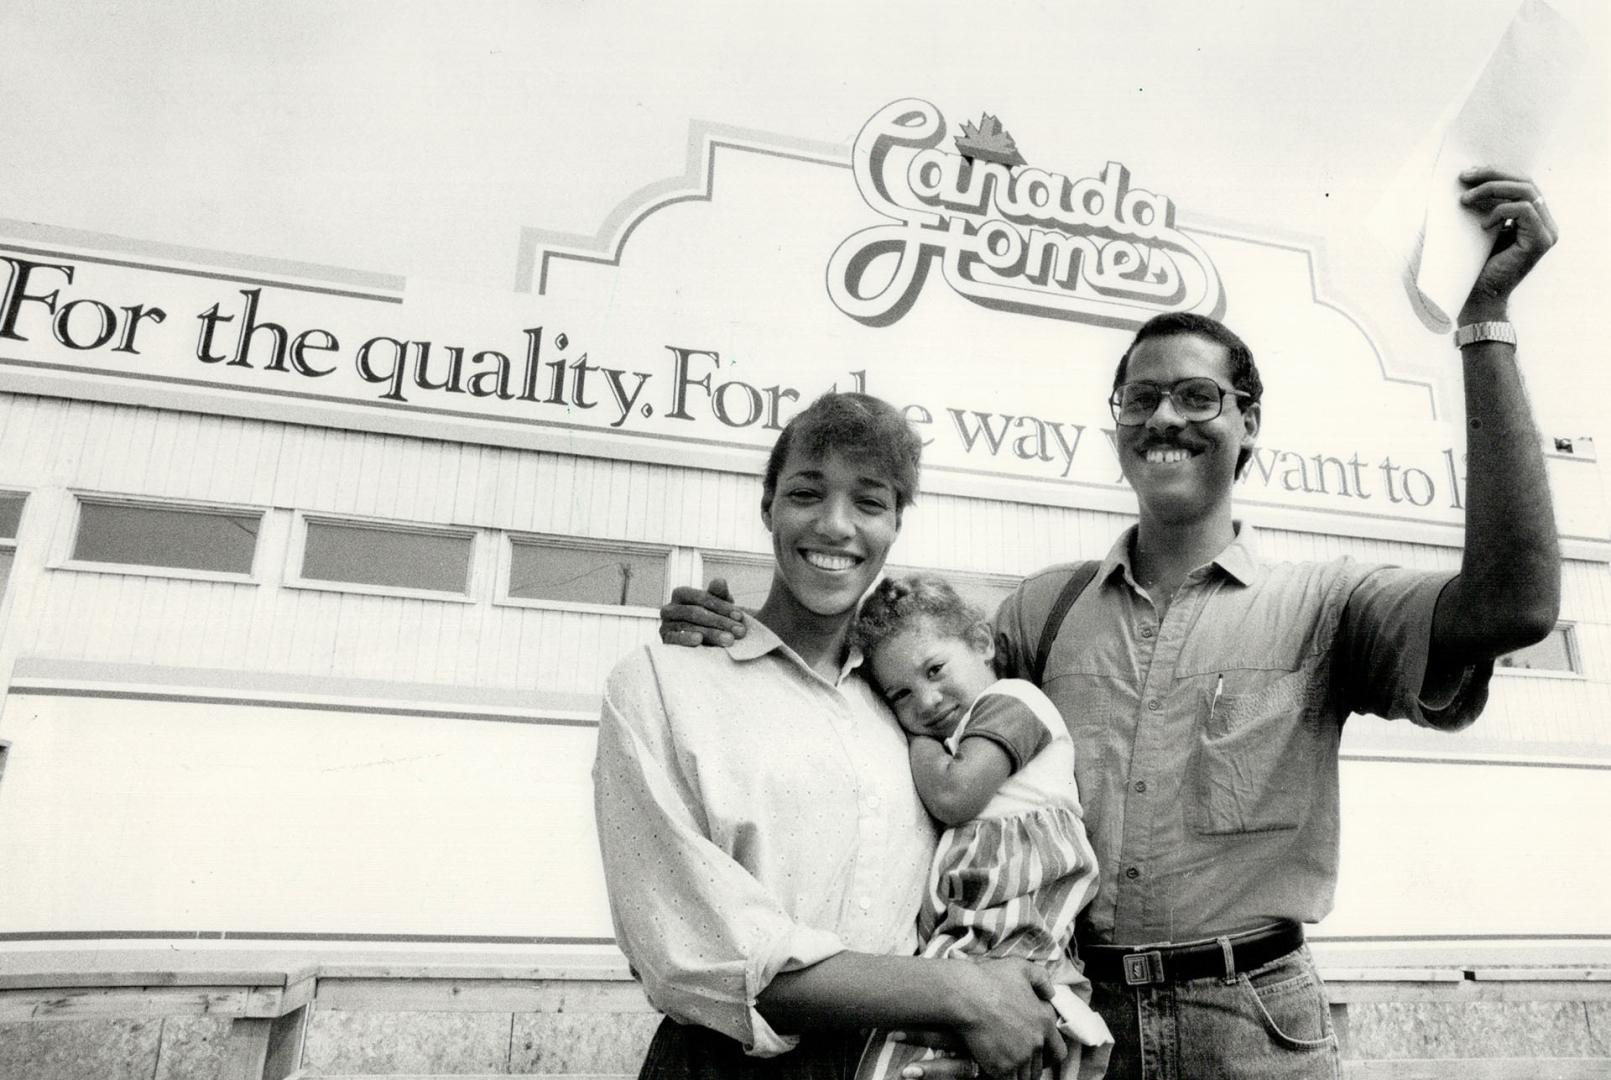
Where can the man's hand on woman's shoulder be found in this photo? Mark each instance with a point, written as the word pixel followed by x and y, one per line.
pixel 701 617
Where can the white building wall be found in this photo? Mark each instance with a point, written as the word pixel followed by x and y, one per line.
pixel 281 688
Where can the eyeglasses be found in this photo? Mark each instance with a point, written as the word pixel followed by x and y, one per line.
pixel 1196 400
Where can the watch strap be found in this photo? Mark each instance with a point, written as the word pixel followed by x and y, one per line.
pixel 1472 333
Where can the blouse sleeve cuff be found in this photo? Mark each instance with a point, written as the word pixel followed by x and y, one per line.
pixel 800 948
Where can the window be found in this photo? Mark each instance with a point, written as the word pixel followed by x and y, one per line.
pixel 186 538
pixel 10 519
pixel 1558 652
pixel 749 578
pixel 388 556
pixel 577 573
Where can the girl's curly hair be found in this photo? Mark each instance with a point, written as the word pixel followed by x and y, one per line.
pixel 897 604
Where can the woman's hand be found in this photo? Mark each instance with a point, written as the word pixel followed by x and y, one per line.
pixel 1008 1025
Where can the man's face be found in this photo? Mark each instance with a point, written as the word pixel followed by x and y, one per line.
pixel 1183 470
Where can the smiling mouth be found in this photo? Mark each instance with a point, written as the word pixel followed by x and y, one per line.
pixel 1167 455
pixel 829 561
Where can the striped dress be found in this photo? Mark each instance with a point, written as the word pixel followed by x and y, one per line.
pixel 1010 882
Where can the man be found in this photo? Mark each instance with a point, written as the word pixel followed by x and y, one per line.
pixel 1206 688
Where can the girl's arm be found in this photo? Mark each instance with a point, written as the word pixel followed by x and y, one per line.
pixel 1001 735
pixel 955 789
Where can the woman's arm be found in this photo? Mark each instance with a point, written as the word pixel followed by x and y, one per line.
pixel 714 947
pixel 998 1007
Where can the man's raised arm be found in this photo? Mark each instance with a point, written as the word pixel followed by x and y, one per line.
pixel 1508 592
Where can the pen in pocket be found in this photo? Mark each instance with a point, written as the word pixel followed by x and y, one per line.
pixel 1219 688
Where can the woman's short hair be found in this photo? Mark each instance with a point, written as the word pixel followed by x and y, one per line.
pixel 897 604
pixel 852 425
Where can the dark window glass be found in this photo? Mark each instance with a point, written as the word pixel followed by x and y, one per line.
pixel 6 557
pixel 583 575
pixel 167 536
pixel 396 558
pixel 10 514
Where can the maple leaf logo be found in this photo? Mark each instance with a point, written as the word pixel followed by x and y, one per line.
pixel 988 142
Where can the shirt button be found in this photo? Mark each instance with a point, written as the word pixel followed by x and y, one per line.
pixel 1141 785
pixel 864 903
pixel 1132 873
pixel 1146 631
pixel 1154 705
pixel 872 802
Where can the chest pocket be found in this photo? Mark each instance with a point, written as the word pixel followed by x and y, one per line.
pixel 1256 758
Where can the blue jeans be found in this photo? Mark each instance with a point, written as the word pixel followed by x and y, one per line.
pixel 1271 1023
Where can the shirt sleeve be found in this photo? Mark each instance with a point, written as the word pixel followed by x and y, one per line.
pixel 1010 724
pixel 1384 640
pixel 701 932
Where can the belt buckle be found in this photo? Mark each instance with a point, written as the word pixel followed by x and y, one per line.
pixel 1143 968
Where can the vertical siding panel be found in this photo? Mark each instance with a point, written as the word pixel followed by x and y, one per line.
pixel 325 452
pixel 16 415
pixel 104 427
pixel 525 492
pixel 230 471
pixel 355 459
pixel 403 495
pixel 464 484
pixel 264 444
pixel 406 649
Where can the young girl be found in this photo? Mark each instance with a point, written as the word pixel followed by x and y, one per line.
pixel 993 761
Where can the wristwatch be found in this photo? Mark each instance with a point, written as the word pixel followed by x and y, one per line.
pixel 1472 333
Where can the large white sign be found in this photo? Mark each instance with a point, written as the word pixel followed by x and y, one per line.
pixel 713 306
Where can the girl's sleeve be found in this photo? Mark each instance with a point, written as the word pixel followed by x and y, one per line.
pixel 1009 723
pixel 700 931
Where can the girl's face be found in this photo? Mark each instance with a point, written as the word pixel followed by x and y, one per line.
pixel 832 523
pixel 930 678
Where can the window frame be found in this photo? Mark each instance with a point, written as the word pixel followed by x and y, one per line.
pixel 81 497
pixel 296 550
pixel 1574 657
pixel 506 562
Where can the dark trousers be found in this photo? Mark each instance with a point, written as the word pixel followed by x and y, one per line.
pixel 681 1052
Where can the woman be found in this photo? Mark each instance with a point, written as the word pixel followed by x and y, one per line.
pixel 762 841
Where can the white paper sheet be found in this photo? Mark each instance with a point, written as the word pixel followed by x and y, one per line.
pixel 1503 123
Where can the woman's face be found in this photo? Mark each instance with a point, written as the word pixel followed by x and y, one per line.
pixel 832 520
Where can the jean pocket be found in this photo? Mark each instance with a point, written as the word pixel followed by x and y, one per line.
pixel 1252 767
pixel 1293 1011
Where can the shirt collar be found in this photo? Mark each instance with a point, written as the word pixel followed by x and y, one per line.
pixel 1239 559
pixel 760 639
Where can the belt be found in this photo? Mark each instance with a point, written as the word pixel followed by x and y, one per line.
pixel 1143 965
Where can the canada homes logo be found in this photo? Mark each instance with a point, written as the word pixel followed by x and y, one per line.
pixel 1008 235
